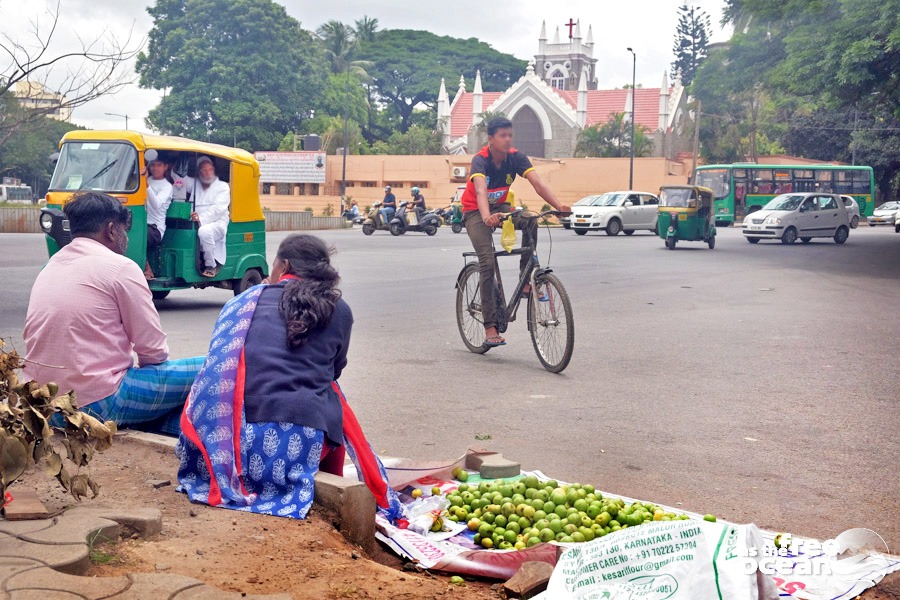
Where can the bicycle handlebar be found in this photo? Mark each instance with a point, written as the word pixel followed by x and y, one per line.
pixel 557 213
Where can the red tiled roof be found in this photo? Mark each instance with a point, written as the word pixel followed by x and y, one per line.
pixel 601 104
pixel 461 117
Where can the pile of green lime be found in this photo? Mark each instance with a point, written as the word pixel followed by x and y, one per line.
pixel 520 514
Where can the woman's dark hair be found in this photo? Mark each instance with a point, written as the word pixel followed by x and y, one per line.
pixel 307 303
pixel 89 212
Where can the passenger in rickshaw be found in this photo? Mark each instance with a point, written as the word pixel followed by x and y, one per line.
pixel 211 197
pixel 159 197
pixel 678 198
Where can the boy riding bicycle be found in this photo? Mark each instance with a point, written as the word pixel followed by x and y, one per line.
pixel 493 171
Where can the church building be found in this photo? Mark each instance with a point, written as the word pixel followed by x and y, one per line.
pixel 557 97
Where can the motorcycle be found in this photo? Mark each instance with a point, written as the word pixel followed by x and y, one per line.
pixel 406 219
pixel 374 221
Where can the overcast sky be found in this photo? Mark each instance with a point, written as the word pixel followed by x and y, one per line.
pixel 648 26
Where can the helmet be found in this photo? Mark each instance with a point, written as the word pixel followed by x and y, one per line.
pixel 387 188
pixel 414 191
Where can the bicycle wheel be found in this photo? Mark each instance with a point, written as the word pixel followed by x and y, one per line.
pixel 468 310
pixel 551 323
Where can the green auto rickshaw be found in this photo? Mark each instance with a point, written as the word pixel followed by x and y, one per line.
pixel 114 162
pixel 685 214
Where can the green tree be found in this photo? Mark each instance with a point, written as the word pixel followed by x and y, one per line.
pixel 691 40
pixel 612 139
pixel 233 71
pixel 416 140
pixel 26 154
pixel 366 29
pixel 408 67
pixel 331 132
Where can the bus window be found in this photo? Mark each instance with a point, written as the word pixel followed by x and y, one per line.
pixel 861 182
pixel 762 182
pixel 843 183
pixel 715 179
pixel 804 180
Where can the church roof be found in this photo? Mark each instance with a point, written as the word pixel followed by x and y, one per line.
pixel 600 105
pixel 461 116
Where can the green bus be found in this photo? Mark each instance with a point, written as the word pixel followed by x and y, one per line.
pixel 743 188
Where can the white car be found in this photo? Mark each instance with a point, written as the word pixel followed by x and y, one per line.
pixel 886 214
pixel 616 211
pixel 852 210
pixel 789 217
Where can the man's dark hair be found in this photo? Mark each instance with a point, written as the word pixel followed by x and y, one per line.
pixel 89 212
pixel 498 123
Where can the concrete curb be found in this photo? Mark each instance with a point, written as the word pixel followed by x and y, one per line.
pixel 350 500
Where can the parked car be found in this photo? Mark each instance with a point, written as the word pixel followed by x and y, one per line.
pixel 614 212
pixel 852 210
pixel 789 217
pixel 886 214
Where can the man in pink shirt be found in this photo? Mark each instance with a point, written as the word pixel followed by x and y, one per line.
pixel 90 311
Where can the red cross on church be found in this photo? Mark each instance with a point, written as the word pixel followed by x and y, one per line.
pixel 571 25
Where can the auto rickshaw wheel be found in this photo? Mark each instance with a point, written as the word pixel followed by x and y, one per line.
pixel 670 243
pixel 711 242
pixel 456 227
pixel 251 277
pixel 368 229
pixel 160 294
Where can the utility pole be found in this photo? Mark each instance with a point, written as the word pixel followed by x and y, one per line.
pixel 633 94
pixel 346 135
pixel 853 138
pixel 696 142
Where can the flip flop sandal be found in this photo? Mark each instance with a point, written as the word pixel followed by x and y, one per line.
pixel 209 273
pixel 497 341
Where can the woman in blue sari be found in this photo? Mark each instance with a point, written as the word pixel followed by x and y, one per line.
pixel 265 413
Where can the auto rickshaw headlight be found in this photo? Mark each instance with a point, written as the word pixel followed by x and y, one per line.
pixel 46 222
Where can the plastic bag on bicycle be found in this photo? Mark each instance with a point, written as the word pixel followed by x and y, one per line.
pixel 508 235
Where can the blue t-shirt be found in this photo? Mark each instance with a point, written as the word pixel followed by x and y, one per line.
pixel 389 198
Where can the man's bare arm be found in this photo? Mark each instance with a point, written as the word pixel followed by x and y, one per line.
pixel 545 192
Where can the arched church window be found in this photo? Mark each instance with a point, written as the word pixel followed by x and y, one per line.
pixel 558 80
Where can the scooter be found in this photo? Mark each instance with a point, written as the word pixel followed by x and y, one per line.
pixel 374 222
pixel 406 219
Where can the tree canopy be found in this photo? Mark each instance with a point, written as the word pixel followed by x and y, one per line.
pixel 612 139
pixel 407 67
pixel 691 41
pixel 234 71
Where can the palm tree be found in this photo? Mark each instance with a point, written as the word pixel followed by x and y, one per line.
pixel 341 43
pixel 366 28
pixel 612 139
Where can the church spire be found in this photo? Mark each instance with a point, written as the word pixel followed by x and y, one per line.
pixel 664 103
pixel 462 85
pixel 543 37
pixel 556 35
pixel 590 36
pixel 477 108
pixel 582 99
pixel 578 29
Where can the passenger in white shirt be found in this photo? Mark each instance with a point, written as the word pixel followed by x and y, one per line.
pixel 211 198
pixel 159 197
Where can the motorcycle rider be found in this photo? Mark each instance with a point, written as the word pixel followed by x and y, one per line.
pixel 388 205
pixel 418 202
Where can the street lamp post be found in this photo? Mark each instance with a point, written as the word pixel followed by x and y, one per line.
pixel 633 97
pixel 118 115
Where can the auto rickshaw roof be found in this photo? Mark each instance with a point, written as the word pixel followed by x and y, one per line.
pixel 698 188
pixel 146 141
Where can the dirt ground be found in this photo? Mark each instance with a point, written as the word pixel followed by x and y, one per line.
pixel 255 554
pixel 234 551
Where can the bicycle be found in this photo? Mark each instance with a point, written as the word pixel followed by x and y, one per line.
pixel 549 309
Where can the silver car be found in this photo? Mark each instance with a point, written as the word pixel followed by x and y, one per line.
pixel 886 214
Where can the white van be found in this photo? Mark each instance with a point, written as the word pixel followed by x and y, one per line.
pixel 805 216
